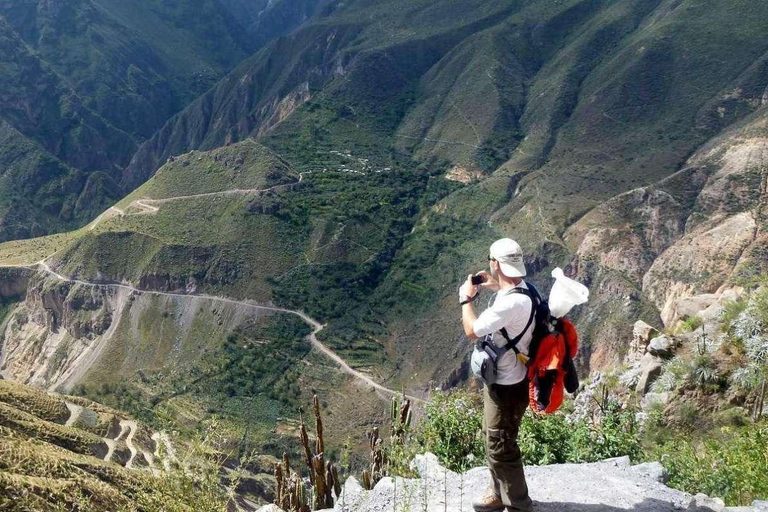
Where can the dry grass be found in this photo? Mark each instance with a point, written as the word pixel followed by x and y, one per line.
pixel 33 401
pixel 50 466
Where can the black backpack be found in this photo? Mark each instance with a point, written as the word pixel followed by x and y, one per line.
pixel 540 317
pixel 544 324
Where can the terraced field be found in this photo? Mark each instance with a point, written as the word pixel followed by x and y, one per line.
pixel 65 451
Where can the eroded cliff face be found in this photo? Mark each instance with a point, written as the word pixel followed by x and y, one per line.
pixel 13 283
pixel 724 237
pixel 64 333
pixel 59 328
pixel 699 232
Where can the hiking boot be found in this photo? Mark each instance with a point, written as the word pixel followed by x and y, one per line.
pixel 488 502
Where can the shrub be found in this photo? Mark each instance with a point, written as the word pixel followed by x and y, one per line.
pixel 612 433
pixel 691 323
pixel 545 439
pixel 686 415
pixel 675 372
pixel 749 331
pixel 732 467
pixel 731 311
pixel 703 372
pixel 452 429
pixel 733 417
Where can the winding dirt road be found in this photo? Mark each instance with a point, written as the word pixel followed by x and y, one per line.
pixel 147 204
pixel 131 427
pixel 316 326
pixel 149 208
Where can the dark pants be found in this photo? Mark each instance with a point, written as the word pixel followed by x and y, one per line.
pixel 504 407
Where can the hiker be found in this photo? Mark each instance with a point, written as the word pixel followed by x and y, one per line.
pixel 506 400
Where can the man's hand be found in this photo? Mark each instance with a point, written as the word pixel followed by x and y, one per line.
pixel 467 289
pixel 489 283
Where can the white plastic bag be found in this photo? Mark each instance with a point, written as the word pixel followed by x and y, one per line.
pixel 565 294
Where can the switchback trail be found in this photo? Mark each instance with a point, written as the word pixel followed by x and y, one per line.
pixel 316 326
pixel 75 411
pixel 146 204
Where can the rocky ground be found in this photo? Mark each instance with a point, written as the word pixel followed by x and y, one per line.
pixel 607 486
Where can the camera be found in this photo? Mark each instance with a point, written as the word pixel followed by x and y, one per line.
pixel 478 279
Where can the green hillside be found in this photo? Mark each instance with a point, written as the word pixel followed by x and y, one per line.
pixel 84 82
pixel 238 222
pixel 420 138
pixel 138 63
pixel 199 169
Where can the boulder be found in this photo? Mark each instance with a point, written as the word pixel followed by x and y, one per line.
pixel 693 306
pixel 352 495
pixel 609 486
pixel 703 503
pixel 662 346
pixel 651 369
pixel 651 470
pixel 642 334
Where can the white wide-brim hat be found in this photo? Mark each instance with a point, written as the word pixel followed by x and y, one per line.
pixel 509 254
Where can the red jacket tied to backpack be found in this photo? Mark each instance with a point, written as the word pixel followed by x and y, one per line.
pixel 551 368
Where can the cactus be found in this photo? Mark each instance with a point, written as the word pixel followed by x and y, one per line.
pixel 319 426
pixel 367 483
pixel 279 486
pixel 376 471
pixel 299 494
pixel 283 483
pixel 335 479
pixel 290 491
pixel 401 418
pixel 400 415
pixel 307 450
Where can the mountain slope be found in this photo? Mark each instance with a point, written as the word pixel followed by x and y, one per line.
pixel 167 342
pixel 366 64
pixel 40 193
pixel 544 110
pixel 137 63
pixel 357 169
pixel 84 82
pixel 61 450
pixel 698 232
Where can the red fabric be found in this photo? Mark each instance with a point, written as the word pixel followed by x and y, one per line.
pixel 549 361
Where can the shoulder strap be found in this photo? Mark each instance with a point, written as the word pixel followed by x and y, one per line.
pixel 512 342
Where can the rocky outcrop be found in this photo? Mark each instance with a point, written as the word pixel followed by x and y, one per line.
pixel 662 346
pixel 58 331
pixel 700 262
pixel 724 231
pixel 642 334
pixel 608 486
pixel 13 282
pixel 650 368
pixel 684 242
